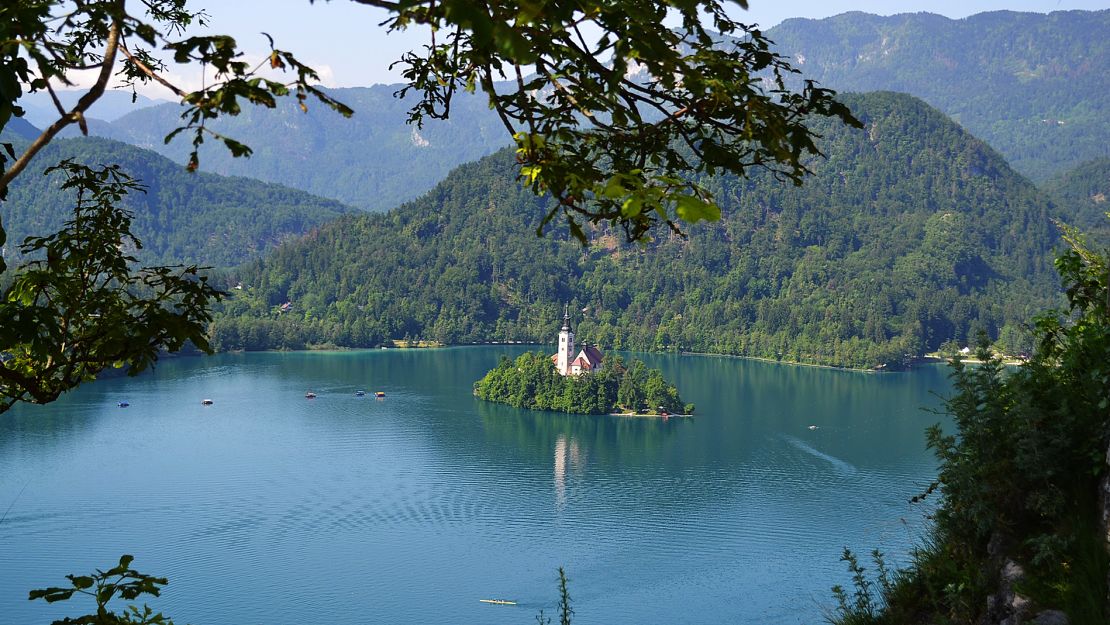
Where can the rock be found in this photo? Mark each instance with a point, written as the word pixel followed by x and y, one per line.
pixel 1006 607
pixel 1012 572
pixel 1050 617
pixel 1019 605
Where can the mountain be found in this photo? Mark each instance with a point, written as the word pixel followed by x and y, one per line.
pixel 910 233
pixel 1083 194
pixel 19 129
pixel 1034 86
pixel 372 160
pixel 39 108
pixel 196 218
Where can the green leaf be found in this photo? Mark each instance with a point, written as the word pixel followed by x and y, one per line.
pixel 693 209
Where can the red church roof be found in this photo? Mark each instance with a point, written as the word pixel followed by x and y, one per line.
pixel 593 354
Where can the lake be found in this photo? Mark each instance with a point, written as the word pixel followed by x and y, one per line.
pixel 269 508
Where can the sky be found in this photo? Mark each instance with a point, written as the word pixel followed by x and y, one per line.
pixel 344 41
pixel 345 44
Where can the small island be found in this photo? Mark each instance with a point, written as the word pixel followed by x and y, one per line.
pixel 586 384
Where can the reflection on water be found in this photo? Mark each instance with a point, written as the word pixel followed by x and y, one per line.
pixel 265 507
pixel 577 458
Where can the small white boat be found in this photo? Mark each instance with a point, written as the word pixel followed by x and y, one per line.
pixel 206 402
pixel 497 601
pixel 359 393
pixel 310 395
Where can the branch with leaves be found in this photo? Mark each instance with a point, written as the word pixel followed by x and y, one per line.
pixel 615 114
pixel 80 307
pixel 103 586
pixel 44 43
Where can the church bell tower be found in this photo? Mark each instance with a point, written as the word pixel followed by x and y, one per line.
pixel 566 344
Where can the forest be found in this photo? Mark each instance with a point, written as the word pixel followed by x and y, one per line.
pixel 910 233
pixel 1035 87
pixel 181 218
pixel 531 382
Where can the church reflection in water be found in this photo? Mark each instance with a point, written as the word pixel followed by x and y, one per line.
pixel 566 452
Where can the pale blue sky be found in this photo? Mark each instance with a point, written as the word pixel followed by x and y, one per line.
pixel 343 40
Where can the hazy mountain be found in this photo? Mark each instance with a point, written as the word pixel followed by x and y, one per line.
pixel 198 218
pixel 912 232
pixel 18 129
pixel 39 108
pixel 372 161
pixel 1036 87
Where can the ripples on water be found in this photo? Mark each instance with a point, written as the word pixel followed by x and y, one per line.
pixel 268 508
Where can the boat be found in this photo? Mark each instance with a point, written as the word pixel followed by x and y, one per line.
pixel 813 427
pixel 310 395
pixel 497 601
pixel 359 393
pixel 122 404
pixel 379 394
pixel 206 402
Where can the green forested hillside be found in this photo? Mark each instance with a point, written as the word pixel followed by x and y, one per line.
pixel 183 217
pixel 372 160
pixel 910 233
pixel 1083 195
pixel 1036 87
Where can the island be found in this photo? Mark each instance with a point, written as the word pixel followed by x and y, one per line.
pixel 588 383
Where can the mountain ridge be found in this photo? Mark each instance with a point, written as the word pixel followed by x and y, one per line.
pixel 372 160
pixel 911 233
pixel 1003 75
pixel 1035 86
pixel 182 217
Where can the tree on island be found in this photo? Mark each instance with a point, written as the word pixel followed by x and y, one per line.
pixel 532 382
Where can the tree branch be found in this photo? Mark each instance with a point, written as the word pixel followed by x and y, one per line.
pixel 150 72
pixel 77 114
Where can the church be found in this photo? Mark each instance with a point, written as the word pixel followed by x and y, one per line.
pixel 587 360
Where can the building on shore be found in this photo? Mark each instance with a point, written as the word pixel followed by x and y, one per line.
pixel 588 360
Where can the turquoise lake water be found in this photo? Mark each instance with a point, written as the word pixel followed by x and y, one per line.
pixel 269 508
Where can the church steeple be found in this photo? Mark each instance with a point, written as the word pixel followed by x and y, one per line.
pixel 566 344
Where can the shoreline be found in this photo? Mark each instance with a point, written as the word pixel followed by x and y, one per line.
pixel 655 415
pixel 792 363
pixel 927 359
pixel 970 360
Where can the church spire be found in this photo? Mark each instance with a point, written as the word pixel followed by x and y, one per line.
pixel 566 317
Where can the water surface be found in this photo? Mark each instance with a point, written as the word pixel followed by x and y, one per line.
pixel 268 508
